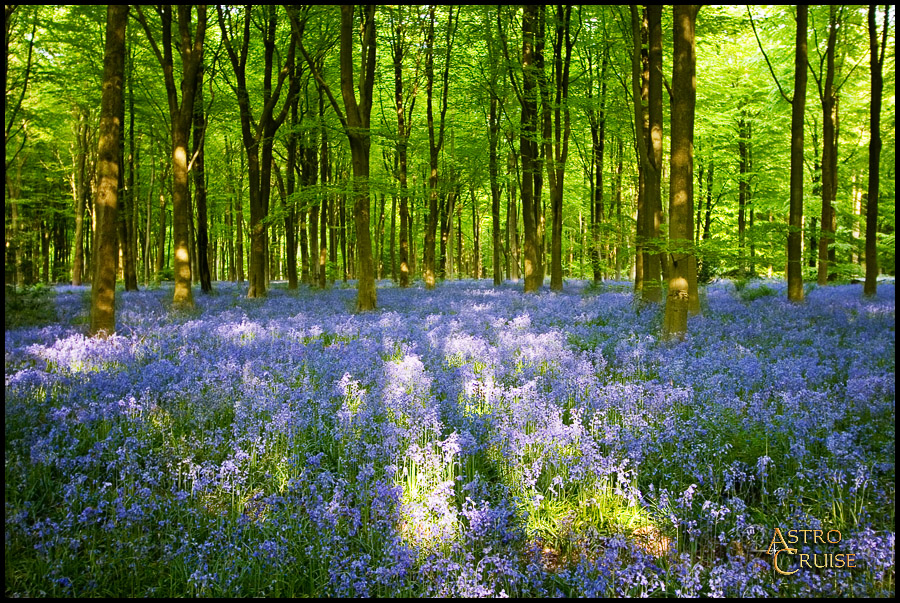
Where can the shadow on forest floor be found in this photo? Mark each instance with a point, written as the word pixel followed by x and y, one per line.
pixel 29 307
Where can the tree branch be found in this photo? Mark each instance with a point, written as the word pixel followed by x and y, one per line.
pixel 771 70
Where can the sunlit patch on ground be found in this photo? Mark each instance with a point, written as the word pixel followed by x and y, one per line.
pixel 467 441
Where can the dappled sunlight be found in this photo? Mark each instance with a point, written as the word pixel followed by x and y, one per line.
pixel 532 442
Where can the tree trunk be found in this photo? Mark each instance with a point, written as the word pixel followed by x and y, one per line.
pixel 681 191
pixel 652 291
pixel 798 108
pixel 239 216
pixel 393 238
pixel 258 138
pixel 161 233
pixel 876 62
pixel 191 50
pixel 528 151
pixel 620 225
pixel 476 239
pixel 598 140
pixel 493 171
pixel 640 92
pixel 399 48
pixel 129 246
pixel 290 214
pixel 357 117
pixel 512 219
pixel 556 150
pixel 829 156
pixel 743 190
pixel 199 171
pixel 103 287
pixel 324 167
pixel 436 142
pixel 82 140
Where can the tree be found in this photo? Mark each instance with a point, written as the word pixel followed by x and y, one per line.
pixel 81 186
pixel 52 182
pixel 494 122
pixel 681 188
pixel 355 120
pixel 199 170
pixel 597 121
pixel 556 149
pixel 435 142
pixel 127 236
pixel 181 115
pixel 103 285
pixel 876 60
pixel 828 94
pixel 404 103
pixel 528 151
pixel 258 136
pixel 648 138
pixel 15 128
pixel 798 108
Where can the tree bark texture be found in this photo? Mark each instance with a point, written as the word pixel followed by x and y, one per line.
pixel 681 190
pixel 103 285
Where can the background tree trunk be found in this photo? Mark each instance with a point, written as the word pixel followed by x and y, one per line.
pixel 876 62
pixel 652 291
pixel 829 156
pixel 199 170
pixel 528 151
pixel 798 107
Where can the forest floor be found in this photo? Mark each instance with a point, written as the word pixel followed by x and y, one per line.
pixel 466 441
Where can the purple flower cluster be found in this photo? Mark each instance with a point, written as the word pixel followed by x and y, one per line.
pixel 467 441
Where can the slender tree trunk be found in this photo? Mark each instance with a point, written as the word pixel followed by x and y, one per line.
pixel 324 232
pixel 129 248
pixel 556 150
pixel 855 255
pixel 199 171
pixel 436 142
pixel 290 214
pixel 620 230
pixel 81 192
pixel 645 275
pixel 743 190
pixel 652 291
pixel 829 156
pixel 393 250
pixel 239 216
pixel 752 233
pixel 512 219
pixel 476 239
pixel 161 232
pixel 103 286
pixel 876 62
pixel 379 238
pixel 399 48
pixel 493 171
pixel 528 150
pixel 798 108
pixel 598 139
pixel 324 167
